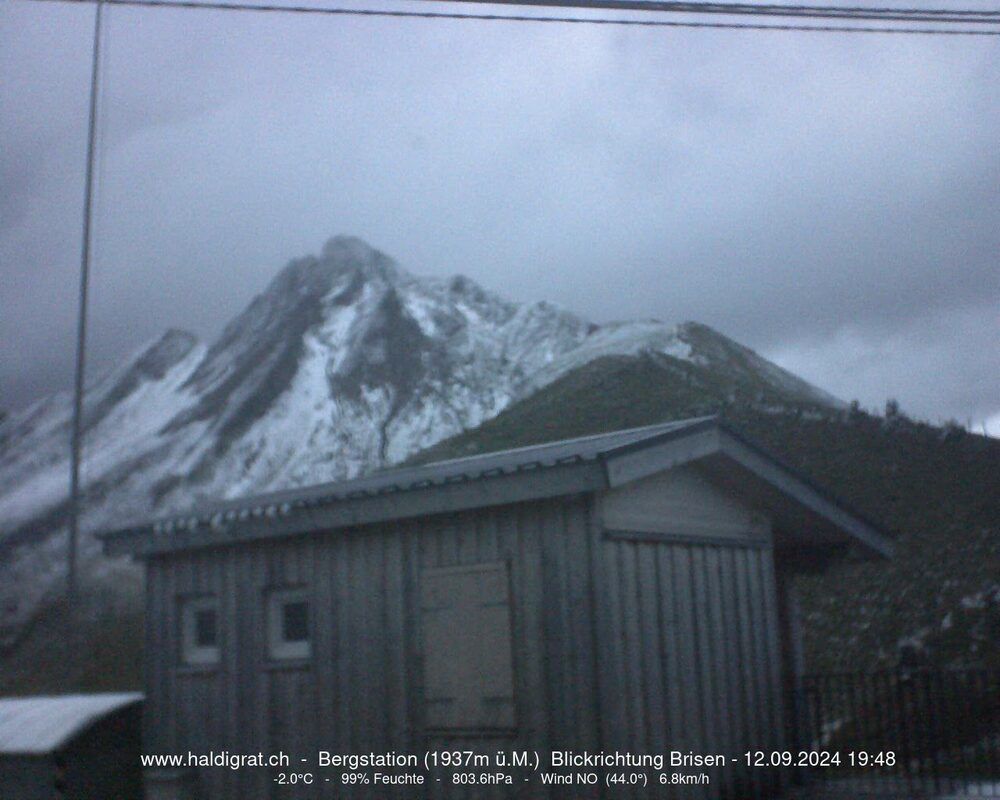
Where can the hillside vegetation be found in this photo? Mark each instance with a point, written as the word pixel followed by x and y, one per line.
pixel 936 489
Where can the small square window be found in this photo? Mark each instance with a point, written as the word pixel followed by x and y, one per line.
pixel 200 630
pixel 289 627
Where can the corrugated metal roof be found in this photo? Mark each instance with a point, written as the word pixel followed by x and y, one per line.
pixel 280 504
pixel 38 725
pixel 546 470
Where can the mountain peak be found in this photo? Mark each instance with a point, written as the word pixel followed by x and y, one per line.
pixel 345 261
pixel 346 243
pixel 345 252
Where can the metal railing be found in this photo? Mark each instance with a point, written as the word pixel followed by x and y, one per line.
pixel 901 733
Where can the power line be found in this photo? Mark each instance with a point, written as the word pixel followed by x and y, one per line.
pixel 941 15
pixel 727 7
pixel 648 23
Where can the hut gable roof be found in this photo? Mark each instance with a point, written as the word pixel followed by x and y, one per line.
pixel 40 725
pixel 570 466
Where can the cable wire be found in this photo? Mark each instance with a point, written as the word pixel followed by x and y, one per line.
pixel 941 15
pixel 211 5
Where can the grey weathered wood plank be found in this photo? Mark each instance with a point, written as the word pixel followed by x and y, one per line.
pixel 522 545
pixel 775 684
pixel 576 553
pixel 749 664
pixel 651 648
pixel 707 669
pixel 716 654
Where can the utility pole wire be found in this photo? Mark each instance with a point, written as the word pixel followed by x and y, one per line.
pixel 76 444
pixel 724 8
pixel 212 5
pixel 771 10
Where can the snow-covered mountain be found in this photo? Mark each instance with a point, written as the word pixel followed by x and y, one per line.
pixel 344 364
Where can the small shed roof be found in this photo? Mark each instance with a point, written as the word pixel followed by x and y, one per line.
pixel 582 464
pixel 39 725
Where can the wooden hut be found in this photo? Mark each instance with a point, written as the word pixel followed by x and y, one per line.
pixel 76 746
pixel 627 592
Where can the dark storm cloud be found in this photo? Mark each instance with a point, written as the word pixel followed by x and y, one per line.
pixel 831 201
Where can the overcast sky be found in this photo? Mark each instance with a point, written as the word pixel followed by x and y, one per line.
pixel 832 201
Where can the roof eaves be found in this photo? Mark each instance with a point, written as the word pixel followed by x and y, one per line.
pixel 686 428
pixel 868 533
pixel 405 479
pixel 635 460
pixel 338 512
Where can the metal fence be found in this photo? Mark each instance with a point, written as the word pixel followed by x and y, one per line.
pixel 901 733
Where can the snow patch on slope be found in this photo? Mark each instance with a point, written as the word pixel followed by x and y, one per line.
pixel 344 364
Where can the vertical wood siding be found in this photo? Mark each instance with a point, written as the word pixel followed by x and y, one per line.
pixel 617 644
pixel 689 655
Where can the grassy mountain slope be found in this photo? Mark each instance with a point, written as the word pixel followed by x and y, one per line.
pixel 936 489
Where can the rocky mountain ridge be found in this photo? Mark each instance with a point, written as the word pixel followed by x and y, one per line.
pixel 344 364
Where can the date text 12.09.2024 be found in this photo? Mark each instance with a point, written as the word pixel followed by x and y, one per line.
pixel 819 758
